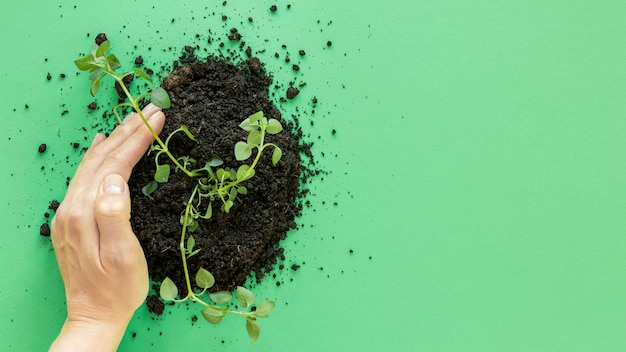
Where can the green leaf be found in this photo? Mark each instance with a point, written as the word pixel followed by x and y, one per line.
pixel 215 160
pixel 162 173
pixel 232 174
pixel 248 126
pixel 245 297
pixel 254 329
pixel 168 290
pixel 95 74
pixel 193 253
pixel 213 316
pixel 204 279
pixel 221 297
pixel 241 171
pixel 209 212
pixel 192 226
pixel 254 138
pixel 94 48
pixel 232 194
pixel 191 242
pixel 276 155
pixel 242 151
pixel 95 85
pixel 192 223
pixel 102 49
pixel 86 63
pixel 143 75
pixel 256 117
pixel 264 308
pixel 273 126
pixel 148 189
pixel 160 98
pixel 187 132
pixel 242 190
pixel 222 174
pixel 227 205
pixel 113 61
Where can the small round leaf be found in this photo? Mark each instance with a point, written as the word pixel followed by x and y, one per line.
pixel 204 279
pixel 86 63
pixel 211 315
pixel 276 155
pixel 273 126
pixel 160 98
pixel 257 116
pixel 148 189
pixel 248 126
pixel 162 173
pixel 242 151
pixel 241 171
pixel 113 61
pixel 215 160
pixel 264 308
pixel 254 138
pixel 245 297
pixel 168 290
pixel 95 86
pixel 254 329
pixel 221 297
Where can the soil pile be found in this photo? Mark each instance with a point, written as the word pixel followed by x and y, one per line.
pixel 211 97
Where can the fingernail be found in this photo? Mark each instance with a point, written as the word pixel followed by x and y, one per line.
pixel 150 109
pixel 113 184
pixel 155 116
pixel 97 139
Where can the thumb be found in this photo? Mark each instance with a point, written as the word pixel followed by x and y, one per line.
pixel 112 213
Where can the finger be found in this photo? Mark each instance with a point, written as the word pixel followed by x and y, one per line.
pixel 122 159
pixel 118 244
pixel 97 153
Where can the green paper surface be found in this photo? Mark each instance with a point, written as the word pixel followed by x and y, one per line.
pixel 474 154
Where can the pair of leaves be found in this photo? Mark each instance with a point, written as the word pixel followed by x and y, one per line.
pixel 97 62
pixel 168 290
pixel 191 243
pixel 243 151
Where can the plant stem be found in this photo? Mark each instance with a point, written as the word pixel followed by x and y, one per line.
pixel 182 244
pixel 190 293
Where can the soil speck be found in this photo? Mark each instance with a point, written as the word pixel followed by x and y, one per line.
pixel 44 230
pixel 292 92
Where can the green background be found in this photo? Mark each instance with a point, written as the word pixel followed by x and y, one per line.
pixel 478 169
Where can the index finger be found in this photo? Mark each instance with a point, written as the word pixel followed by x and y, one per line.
pixel 97 153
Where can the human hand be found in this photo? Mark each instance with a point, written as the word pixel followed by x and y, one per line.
pixel 102 264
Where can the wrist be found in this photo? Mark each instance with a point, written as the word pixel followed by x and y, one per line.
pixel 90 336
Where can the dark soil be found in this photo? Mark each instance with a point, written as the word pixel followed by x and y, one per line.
pixel 212 97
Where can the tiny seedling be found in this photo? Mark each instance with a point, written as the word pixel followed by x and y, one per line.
pixel 222 184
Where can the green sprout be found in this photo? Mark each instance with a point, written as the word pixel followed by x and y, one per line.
pixel 223 184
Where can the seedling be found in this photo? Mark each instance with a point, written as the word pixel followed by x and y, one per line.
pixel 223 184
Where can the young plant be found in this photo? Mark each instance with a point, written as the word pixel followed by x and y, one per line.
pixel 222 300
pixel 223 183
pixel 101 65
